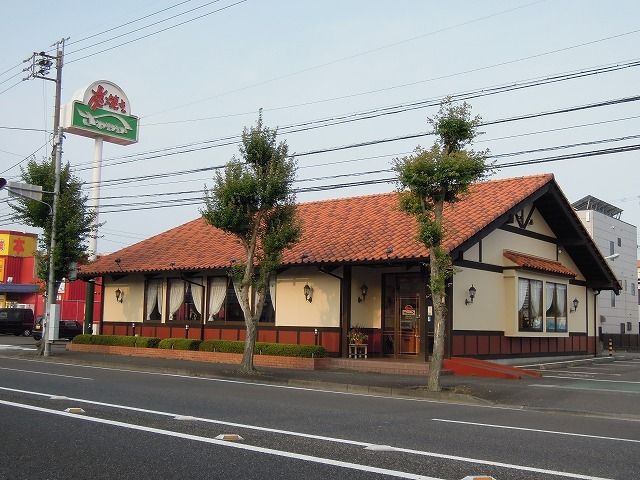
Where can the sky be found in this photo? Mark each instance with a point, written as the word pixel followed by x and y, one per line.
pixel 327 74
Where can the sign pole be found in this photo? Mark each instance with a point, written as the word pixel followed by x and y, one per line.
pixel 95 196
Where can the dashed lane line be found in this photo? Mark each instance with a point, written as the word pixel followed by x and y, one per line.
pixel 322 438
pixel 553 432
pixel 224 443
pixel 44 373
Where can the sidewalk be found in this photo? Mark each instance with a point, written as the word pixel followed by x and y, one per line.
pixel 456 389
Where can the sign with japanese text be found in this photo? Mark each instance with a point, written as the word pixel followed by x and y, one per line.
pixel 102 110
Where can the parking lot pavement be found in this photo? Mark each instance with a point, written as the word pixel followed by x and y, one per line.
pixel 600 386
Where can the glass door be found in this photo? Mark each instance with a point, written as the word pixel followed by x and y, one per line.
pixel 402 321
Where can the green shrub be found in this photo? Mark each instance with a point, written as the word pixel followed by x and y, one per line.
pixel 278 349
pixel 179 344
pixel 117 340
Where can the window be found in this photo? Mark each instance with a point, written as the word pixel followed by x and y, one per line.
pixel 529 305
pixel 153 295
pixel 628 326
pixel 556 307
pixel 612 248
pixel 619 242
pixel 613 298
pixel 268 311
pixel 185 300
pixel 223 302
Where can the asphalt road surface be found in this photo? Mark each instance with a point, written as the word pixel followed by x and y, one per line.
pixel 146 425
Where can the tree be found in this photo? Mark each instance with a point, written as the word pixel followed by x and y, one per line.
pixel 253 200
pixel 427 180
pixel 73 224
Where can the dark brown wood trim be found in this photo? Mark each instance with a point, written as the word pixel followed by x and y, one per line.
pixel 487 267
pixel 577 334
pixel 580 283
pixel 527 233
pixel 345 310
pixel 480 251
pixel 478 332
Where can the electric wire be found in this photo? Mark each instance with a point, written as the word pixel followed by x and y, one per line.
pixel 156 32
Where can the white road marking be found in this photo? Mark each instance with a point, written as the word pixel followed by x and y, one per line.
pixel 271 385
pixel 593 379
pixel 555 363
pixel 323 438
pixel 554 432
pixel 589 389
pixel 585 373
pixel 625 363
pixel 44 373
pixel 223 443
pixel 16 347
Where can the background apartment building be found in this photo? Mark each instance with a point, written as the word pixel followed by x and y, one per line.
pixel 617 241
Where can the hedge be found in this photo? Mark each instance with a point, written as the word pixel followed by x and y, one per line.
pixel 277 349
pixel 117 340
pixel 179 344
pixel 223 346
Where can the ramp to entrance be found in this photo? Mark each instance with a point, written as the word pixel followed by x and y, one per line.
pixel 472 367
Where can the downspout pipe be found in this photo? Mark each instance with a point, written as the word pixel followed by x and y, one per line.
pixel 596 337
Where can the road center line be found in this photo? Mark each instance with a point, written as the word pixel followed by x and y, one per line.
pixel 586 373
pixel 223 443
pixel 324 438
pixel 271 385
pixel 593 379
pixel 44 373
pixel 536 430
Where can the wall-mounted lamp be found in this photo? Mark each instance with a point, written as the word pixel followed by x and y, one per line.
pixel 308 293
pixel 472 295
pixel 119 295
pixel 575 305
pixel 363 293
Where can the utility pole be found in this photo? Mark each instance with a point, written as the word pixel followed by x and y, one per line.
pixel 41 64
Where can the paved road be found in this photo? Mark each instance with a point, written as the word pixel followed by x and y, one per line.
pixel 140 424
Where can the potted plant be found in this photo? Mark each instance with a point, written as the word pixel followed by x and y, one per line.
pixel 356 336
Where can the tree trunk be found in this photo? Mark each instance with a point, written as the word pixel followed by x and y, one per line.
pixel 439 309
pixel 246 367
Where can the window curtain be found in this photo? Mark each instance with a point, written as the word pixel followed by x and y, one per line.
pixel 159 294
pixel 217 293
pixel 562 307
pixel 272 291
pixel 152 297
pixel 536 298
pixel 197 294
pixel 176 297
pixel 523 287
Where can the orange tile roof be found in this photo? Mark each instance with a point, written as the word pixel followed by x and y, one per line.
pixel 538 263
pixel 356 229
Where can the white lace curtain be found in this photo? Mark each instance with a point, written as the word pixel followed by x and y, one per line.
pixel 217 293
pixel 176 296
pixel 523 287
pixel 154 297
pixel 272 291
pixel 197 292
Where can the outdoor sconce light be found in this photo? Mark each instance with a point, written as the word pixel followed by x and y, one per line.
pixel 575 305
pixel 472 294
pixel 119 295
pixel 186 331
pixel 308 293
pixel 363 290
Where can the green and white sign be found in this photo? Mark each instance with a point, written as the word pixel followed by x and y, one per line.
pixel 113 127
pixel 101 111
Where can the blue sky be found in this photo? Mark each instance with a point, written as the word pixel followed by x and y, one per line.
pixel 304 61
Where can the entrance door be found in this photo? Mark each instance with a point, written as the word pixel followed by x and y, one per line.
pixel 402 317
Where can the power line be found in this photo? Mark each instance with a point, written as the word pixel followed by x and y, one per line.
pixel 128 23
pixel 139 29
pixel 380 111
pixel 25 129
pixel 156 32
pixel 377 141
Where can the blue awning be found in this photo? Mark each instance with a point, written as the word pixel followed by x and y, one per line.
pixel 18 288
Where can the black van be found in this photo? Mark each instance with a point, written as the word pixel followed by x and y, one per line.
pixel 18 321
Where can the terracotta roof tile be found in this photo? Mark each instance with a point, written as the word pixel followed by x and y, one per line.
pixel 538 263
pixel 355 229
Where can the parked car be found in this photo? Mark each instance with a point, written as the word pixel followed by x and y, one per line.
pixel 67 329
pixel 18 321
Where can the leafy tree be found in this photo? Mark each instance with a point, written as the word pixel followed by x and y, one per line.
pixel 253 200
pixel 427 180
pixel 73 223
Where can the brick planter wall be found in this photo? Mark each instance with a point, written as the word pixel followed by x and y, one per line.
pixel 298 363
